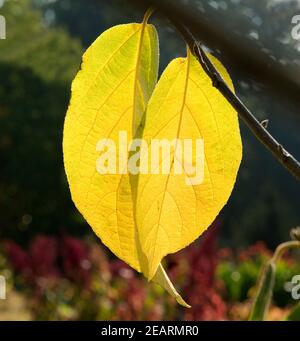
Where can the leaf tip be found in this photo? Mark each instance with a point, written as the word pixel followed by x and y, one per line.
pixel 161 278
pixel 182 302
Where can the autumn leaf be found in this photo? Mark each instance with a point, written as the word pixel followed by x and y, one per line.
pixel 110 94
pixel 171 210
pixel 143 217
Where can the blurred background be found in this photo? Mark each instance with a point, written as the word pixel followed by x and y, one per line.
pixel 54 265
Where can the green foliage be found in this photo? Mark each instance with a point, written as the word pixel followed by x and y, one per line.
pixel 294 314
pixel 36 67
pixel 238 279
pixel 50 53
pixel 239 276
pixel 30 152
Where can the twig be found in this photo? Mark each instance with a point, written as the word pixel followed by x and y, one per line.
pixel 265 123
pixel 280 80
pixel 261 133
pixel 257 128
pixel 283 247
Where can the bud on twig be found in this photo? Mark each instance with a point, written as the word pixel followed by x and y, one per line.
pixel 295 233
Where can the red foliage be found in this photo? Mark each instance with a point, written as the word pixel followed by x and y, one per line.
pixel 43 253
pixel 46 257
pixel 19 259
pixel 256 250
pixel 76 262
pixel 193 270
pixel 200 284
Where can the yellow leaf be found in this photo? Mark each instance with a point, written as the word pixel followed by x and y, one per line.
pixel 172 210
pixel 143 217
pixel 109 95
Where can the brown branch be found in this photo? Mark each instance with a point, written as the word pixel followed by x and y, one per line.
pixel 249 60
pixel 172 11
pixel 256 127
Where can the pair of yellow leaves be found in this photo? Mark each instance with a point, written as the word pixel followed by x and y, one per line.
pixel 144 217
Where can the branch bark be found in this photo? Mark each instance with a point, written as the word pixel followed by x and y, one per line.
pixel 256 127
pixel 259 129
pixel 250 61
